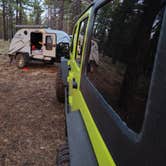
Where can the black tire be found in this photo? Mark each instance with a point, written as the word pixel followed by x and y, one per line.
pixel 63 155
pixel 21 61
pixel 51 62
pixel 60 89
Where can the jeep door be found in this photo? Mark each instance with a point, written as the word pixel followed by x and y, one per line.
pixel 75 63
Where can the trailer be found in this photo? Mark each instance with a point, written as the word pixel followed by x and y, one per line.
pixel 42 44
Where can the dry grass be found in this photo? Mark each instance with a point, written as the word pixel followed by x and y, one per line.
pixel 31 119
pixel 4 46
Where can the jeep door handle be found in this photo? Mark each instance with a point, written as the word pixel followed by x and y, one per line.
pixel 74 83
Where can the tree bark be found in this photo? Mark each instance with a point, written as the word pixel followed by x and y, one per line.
pixel 61 15
pixel 4 19
pixel 17 12
pixel 20 12
pixel 10 20
pixel 75 10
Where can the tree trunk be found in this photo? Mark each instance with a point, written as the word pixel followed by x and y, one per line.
pixel 10 20
pixel 20 12
pixel 17 12
pixel 4 19
pixel 75 10
pixel 61 15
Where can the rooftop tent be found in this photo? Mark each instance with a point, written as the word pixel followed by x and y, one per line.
pixel 61 36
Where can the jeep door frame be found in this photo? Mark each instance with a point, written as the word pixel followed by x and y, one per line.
pixel 108 133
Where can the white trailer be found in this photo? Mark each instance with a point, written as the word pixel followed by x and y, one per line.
pixel 37 44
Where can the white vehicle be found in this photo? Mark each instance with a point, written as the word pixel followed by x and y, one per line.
pixel 38 44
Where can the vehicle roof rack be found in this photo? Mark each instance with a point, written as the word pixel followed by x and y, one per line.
pixel 31 26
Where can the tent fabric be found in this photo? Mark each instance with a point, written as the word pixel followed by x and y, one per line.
pixel 62 37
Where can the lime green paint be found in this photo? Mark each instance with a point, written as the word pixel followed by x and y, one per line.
pixel 102 154
pixel 75 69
pixel 77 102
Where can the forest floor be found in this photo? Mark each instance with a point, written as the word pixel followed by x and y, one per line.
pixel 31 119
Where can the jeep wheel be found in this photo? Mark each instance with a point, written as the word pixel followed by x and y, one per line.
pixel 60 90
pixel 21 61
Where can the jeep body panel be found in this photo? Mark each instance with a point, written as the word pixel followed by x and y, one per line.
pixel 112 141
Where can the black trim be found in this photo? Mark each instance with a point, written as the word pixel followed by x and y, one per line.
pixel 80 148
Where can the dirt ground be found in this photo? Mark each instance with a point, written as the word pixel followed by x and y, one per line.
pixel 31 119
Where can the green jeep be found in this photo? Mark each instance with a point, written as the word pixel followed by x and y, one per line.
pixel 115 85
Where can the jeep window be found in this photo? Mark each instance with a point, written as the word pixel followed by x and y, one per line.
pixel 80 40
pixel 120 64
pixel 49 43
